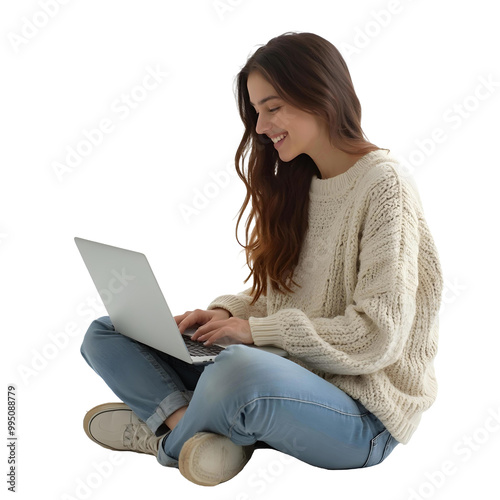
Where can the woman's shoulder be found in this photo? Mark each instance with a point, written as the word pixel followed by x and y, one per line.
pixel 388 174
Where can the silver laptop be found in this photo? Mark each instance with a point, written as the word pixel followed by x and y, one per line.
pixel 137 307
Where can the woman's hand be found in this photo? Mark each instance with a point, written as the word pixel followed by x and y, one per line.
pixel 215 324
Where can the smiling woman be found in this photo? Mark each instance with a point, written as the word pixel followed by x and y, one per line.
pixel 312 101
pixel 346 281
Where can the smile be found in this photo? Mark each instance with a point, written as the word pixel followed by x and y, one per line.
pixel 279 138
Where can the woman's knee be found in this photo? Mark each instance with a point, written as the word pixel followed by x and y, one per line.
pixel 237 358
pixel 237 370
pixel 97 331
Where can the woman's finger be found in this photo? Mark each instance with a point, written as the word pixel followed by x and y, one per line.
pixel 188 319
pixel 203 331
pixel 180 317
pixel 213 337
pixel 208 327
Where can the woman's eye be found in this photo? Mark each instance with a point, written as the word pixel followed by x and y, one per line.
pixel 270 110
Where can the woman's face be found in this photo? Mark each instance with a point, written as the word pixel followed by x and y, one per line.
pixel 306 133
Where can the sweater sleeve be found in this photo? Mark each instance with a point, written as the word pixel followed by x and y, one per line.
pixel 239 305
pixel 373 331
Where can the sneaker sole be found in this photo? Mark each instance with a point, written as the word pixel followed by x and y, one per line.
pixel 188 459
pixel 91 414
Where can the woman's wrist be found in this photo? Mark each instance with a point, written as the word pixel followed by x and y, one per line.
pixel 222 309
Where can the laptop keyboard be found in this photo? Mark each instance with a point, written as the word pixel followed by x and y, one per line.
pixel 198 349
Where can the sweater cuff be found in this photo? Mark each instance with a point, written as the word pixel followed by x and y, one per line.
pixel 266 331
pixel 231 304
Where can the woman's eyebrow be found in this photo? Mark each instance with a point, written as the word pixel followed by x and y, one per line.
pixel 268 98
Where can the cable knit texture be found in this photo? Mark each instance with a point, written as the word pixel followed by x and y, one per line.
pixel 366 315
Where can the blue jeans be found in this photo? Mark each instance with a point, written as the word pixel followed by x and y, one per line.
pixel 250 396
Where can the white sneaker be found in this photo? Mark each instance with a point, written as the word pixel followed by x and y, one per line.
pixel 116 427
pixel 208 459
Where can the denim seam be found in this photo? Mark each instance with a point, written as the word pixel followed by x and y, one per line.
pixel 157 366
pixel 291 399
pixel 369 455
pixel 373 443
pixel 386 447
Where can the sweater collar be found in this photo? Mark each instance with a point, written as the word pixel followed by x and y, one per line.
pixel 338 184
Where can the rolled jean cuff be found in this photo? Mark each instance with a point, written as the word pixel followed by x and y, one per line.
pixel 163 458
pixel 168 406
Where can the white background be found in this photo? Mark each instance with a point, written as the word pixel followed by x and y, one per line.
pixel 417 66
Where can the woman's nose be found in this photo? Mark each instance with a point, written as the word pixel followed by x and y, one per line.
pixel 263 124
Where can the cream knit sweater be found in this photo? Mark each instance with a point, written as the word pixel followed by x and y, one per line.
pixel 366 317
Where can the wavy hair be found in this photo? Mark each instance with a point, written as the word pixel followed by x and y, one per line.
pixel 309 73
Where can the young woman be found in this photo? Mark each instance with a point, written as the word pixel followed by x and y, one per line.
pixel 346 279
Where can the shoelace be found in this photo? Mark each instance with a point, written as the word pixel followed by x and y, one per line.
pixel 140 438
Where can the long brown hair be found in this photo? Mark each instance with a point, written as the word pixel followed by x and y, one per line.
pixel 308 72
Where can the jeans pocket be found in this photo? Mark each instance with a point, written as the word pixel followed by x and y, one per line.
pixel 380 448
pixel 389 446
